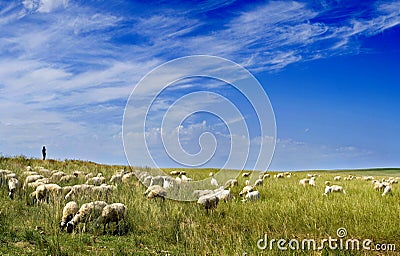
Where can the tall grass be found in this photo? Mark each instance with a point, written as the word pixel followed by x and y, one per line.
pixel 155 227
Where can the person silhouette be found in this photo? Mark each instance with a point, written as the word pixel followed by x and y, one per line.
pixel 44 152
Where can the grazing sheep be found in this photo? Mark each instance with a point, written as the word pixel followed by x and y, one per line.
pixel 157 180
pixel 258 182
pixel 117 178
pixel 368 178
pixel 265 176
pixel 337 178
pixel 68 178
pixel 333 188
pixel 304 182
pixel 127 177
pixel 224 195
pixel 155 191
pixel 29 173
pixel 245 174
pixel 200 193
pixel 97 181
pixel 45 191
pixel 184 178
pixel 32 178
pixel 102 191
pixel 387 190
pixel 208 201
pixel 56 176
pixel 87 212
pixel 174 173
pixel 88 176
pixel 252 196
pixel 79 190
pixel 111 213
pixel 231 183
pixel 69 211
pixel 379 186
pixel 279 176
pixel 13 186
pixel 245 190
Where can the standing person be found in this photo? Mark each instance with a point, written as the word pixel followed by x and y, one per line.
pixel 44 152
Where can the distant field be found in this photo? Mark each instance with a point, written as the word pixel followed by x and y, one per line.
pixel 155 227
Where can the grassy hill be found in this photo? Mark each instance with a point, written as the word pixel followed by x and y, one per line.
pixel 155 227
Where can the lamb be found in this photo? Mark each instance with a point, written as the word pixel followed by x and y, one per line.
pixel 387 190
pixel 111 213
pixel 208 201
pixel 87 212
pixel 245 190
pixel 337 178
pixel 155 191
pixel 231 183
pixel 13 186
pixel 69 211
pixel 252 196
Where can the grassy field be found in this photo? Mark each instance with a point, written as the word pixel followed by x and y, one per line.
pixel 155 227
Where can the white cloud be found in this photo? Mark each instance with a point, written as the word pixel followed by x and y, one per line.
pixel 44 6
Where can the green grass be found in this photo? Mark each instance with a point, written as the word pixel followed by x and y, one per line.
pixel 155 227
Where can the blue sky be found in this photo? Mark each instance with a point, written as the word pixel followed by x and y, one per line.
pixel 330 69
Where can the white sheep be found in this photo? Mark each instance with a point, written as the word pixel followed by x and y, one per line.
pixel 68 178
pixel 69 211
pixel 117 178
pixel 155 191
pixel 184 178
pixel 245 174
pixel 174 173
pixel 224 195
pixel 252 196
pixel 200 193
pixel 79 190
pixel 111 213
pixel 258 182
pixel 279 176
pixel 312 182
pixel 231 183
pixel 333 188
pixel 13 186
pixel 32 178
pixel 45 191
pixel 209 201
pixel 265 176
pixel 304 182
pixel 97 181
pixel 387 190
pixel 87 212
pixel 245 190
pixel 337 178
pixel 127 177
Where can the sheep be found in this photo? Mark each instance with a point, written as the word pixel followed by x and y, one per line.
pixel 252 196
pixel 43 192
pixel 56 176
pixel 32 178
pixel 69 211
pixel 13 186
pixel 127 177
pixel 117 178
pixel 333 188
pixel 44 172
pixel 379 186
pixel 337 178
pixel 157 180
pixel 155 191
pixel 111 213
pixel 68 178
pixel 200 193
pixel 79 190
pixel 368 178
pixel 245 174
pixel 266 176
pixel 387 190
pixel 29 173
pixel 258 182
pixel 245 190
pixel 174 173
pixel 214 182
pixel 97 181
pixel 224 195
pixel 88 176
pixel 312 182
pixel 185 179
pixel 87 212
pixel 279 176
pixel 209 201
pixel 304 182
pixel 102 191
pixel 231 183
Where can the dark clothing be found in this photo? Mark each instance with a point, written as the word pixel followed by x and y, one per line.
pixel 44 153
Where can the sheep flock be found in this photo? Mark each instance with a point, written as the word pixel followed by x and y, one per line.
pixel 95 191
